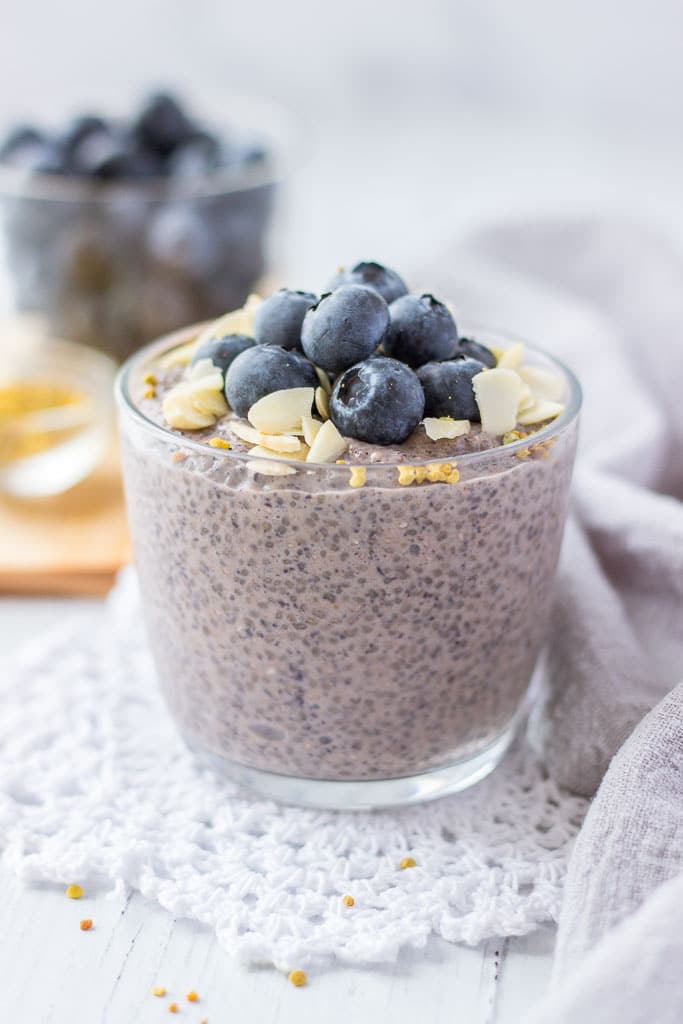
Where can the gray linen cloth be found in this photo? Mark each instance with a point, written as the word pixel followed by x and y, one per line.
pixel 607 298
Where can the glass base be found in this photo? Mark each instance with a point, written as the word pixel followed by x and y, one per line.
pixel 362 795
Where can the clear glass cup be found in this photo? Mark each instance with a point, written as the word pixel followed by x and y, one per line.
pixel 114 265
pixel 341 646
pixel 56 410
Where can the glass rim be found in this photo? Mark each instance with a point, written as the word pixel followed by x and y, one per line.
pixel 184 335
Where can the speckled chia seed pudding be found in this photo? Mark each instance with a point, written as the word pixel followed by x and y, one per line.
pixel 346 520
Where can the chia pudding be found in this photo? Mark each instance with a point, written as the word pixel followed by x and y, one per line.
pixel 374 615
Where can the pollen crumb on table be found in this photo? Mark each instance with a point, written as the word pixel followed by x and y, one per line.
pixel 408 862
pixel 172 1007
pixel 298 978
pixel 192 997
pixel 74 892
pixel 348 901
pixel 86 924
pixel 159 991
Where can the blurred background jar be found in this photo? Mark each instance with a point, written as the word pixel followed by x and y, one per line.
pixel 118 230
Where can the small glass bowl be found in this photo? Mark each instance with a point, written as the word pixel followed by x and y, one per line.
pixel 55 410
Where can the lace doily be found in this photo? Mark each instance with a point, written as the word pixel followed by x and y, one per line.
pixel 96 786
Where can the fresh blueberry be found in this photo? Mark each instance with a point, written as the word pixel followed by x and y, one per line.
pixel 379 401
pixel 222 351
pixel 76 139
pixel 421 329
pixel 468 349
pixel 162 124
pixel 278 319
pixel 262 369
pixel 448 388
pixel 200 155
pixel 18 142
pixel 344 327
pixel 124 160
pixel 381 279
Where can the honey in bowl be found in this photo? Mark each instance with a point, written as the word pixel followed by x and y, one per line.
pixel 38 415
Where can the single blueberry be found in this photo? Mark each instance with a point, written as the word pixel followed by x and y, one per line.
pixel 222 351
pixel 379 401
pixel 264 368
pixel 200 155
pixel 123 159
pixel 344 327
pixel 18 142
pixel 162 124
pixel 278 319
pixel 448 388
pixel 76 138
pixel 381 279
pixel 421 329
pixel 468 349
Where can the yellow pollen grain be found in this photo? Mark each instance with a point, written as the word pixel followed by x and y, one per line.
pixel 172 1007
pixel 159 991
pixel 512 436
pixel 86 924
pixel 407 862
pixel 219 442
pixel 348 901
pixel 74 892
pixel 192 997
pixel 357 478
pixel 298 978
pixel 149 378
pixel 149 392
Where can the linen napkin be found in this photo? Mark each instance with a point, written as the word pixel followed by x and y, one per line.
pixel 608 299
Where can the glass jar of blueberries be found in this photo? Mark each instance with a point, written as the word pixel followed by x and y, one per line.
pixel 118 231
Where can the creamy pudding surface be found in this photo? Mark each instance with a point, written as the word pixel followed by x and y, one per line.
pixel 372 613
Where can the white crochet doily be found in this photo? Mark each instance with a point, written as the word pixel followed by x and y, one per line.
pixel 95 785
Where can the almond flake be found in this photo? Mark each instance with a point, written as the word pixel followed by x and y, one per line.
pixel 539 411
pixel 440 427
pixel 274 442
pixel 281 411
pixel 328 444
pixel 526 399
pixel 202 368
pixel 511 357
pixel 196 403
pixel 543 383
pixel 263 453
pixel 310 428
pixel 497 393
pixel 270 468
pixel 325 381
pixel 322 403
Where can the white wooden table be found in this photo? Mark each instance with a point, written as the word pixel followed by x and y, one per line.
pixel 53 973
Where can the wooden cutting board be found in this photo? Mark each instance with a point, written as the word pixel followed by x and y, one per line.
pixel 72 543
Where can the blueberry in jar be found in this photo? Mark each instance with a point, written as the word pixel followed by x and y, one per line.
pixel 262 369
pixel 448 389
pixel 379 401
pixel 421 329
pixel 278 320
pixel 469 349
pixel 383 280
pixel 222 351
pixel 344 327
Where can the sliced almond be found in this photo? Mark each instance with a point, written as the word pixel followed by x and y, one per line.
pixel 325 381
pixel 310 429
pixel 202 368
pixel 437 428
pixel 281 411
pixel 539 411
pixel 526 399
pixel 322 403
pixel 543 383
pixel 263 453
pixel 510 358
pixel 274 442
pixel 270 468
pixel 328 444
pixel 196 403
pixel 497 393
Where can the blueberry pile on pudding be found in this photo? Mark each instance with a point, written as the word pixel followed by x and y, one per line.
pixel 381 379
pixel 346 519
pixel 121 229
